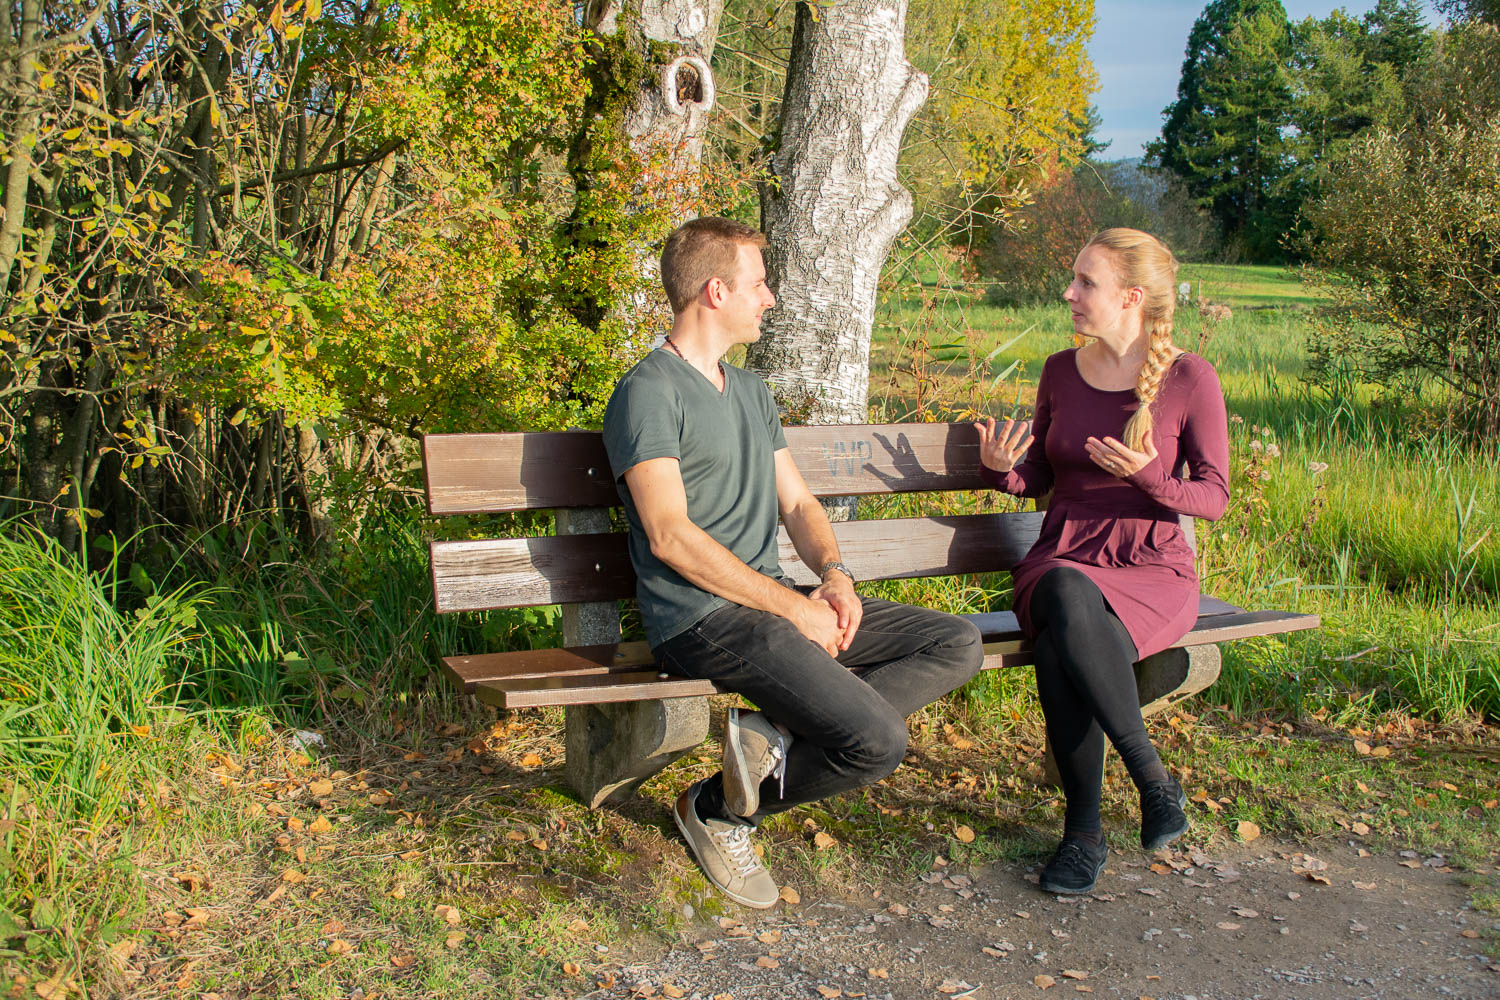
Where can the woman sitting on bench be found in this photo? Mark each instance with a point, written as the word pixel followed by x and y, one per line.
pixel 1110 580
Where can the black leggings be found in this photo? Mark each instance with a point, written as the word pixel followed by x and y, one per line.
pixel 1085 676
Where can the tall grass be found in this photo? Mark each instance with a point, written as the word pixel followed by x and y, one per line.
pixel 86 682
pixel 1364 510
pixel 90 724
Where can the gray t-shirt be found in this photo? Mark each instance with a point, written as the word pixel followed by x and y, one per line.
pixel 724 443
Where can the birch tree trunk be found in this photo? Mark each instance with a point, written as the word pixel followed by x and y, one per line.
pixel 836 206
pixel 665 120
pixel 669 114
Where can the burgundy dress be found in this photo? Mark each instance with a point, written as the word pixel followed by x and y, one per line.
pixel 1124 534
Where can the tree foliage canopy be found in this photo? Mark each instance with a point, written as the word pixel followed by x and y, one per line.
pixel 1010 86
pixel 1263 106
pixel 244 240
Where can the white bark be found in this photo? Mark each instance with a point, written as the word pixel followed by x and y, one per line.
pixel 668 117
pixel 836 206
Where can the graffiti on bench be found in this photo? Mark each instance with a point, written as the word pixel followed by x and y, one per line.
pixel 847 458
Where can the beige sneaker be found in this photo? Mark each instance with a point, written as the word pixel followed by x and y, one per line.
pixel 724 853
pixel 753 749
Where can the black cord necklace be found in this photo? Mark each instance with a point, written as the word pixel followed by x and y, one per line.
pixel 723 381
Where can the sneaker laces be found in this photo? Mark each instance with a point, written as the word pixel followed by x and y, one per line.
pixel 1073 853
pixel 1159 797
pixel 776 766
pixel 736 843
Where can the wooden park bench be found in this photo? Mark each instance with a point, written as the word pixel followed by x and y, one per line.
pixel 625 721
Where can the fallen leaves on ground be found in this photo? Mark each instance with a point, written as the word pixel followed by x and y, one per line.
pixel 823 841
pixel 964 834
pixel 448 914
pixel 1044 981
pixel 1247 830
pixel 55 988
pixel 191 881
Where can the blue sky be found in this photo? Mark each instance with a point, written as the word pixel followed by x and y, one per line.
pixel 1137 49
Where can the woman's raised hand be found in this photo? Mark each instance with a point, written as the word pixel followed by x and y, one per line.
pixel 1000 449
pixel 1118 459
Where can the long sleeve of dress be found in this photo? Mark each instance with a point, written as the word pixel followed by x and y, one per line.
pixel 1205 449
pixel 1032 476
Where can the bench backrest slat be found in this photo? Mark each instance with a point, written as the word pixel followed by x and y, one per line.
pixel 525 572
pixel 495 473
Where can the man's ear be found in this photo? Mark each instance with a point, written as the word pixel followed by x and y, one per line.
pixel 714 291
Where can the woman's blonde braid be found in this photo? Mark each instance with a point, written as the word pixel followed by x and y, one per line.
pixel 1148 383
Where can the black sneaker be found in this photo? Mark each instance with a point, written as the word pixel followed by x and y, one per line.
pixel 1162 818
pixel 1074 868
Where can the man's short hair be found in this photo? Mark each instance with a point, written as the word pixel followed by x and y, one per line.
pixel 702 249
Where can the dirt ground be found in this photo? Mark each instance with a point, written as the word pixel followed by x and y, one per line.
pixel 1242 921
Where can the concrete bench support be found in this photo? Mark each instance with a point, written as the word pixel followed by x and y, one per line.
pixel 612 748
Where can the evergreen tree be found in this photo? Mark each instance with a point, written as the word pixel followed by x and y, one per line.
pixel 1339 88
pixel 1395 33
pixel 1087 129
pixel 1225 135
pixel 1346 77
pixel 1205 42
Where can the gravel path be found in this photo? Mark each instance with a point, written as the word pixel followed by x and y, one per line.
pixel 1258 920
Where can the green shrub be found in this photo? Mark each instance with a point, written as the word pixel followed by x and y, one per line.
pixel 1407 238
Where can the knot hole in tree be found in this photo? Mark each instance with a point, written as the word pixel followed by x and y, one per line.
pixel 687 84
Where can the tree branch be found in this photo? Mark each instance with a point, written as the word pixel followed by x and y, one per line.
pixel 374 156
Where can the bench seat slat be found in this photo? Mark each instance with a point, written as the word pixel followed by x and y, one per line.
pixel 469 671
pixel 615 672
pixel 575 689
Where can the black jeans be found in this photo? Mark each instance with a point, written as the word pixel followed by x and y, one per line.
pixel 847 715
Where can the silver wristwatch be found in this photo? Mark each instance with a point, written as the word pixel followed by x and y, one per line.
pixel 835 564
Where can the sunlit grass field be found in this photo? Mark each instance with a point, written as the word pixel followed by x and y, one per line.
pixel 1365 510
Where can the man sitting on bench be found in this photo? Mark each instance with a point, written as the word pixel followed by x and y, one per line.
pixel 703 469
